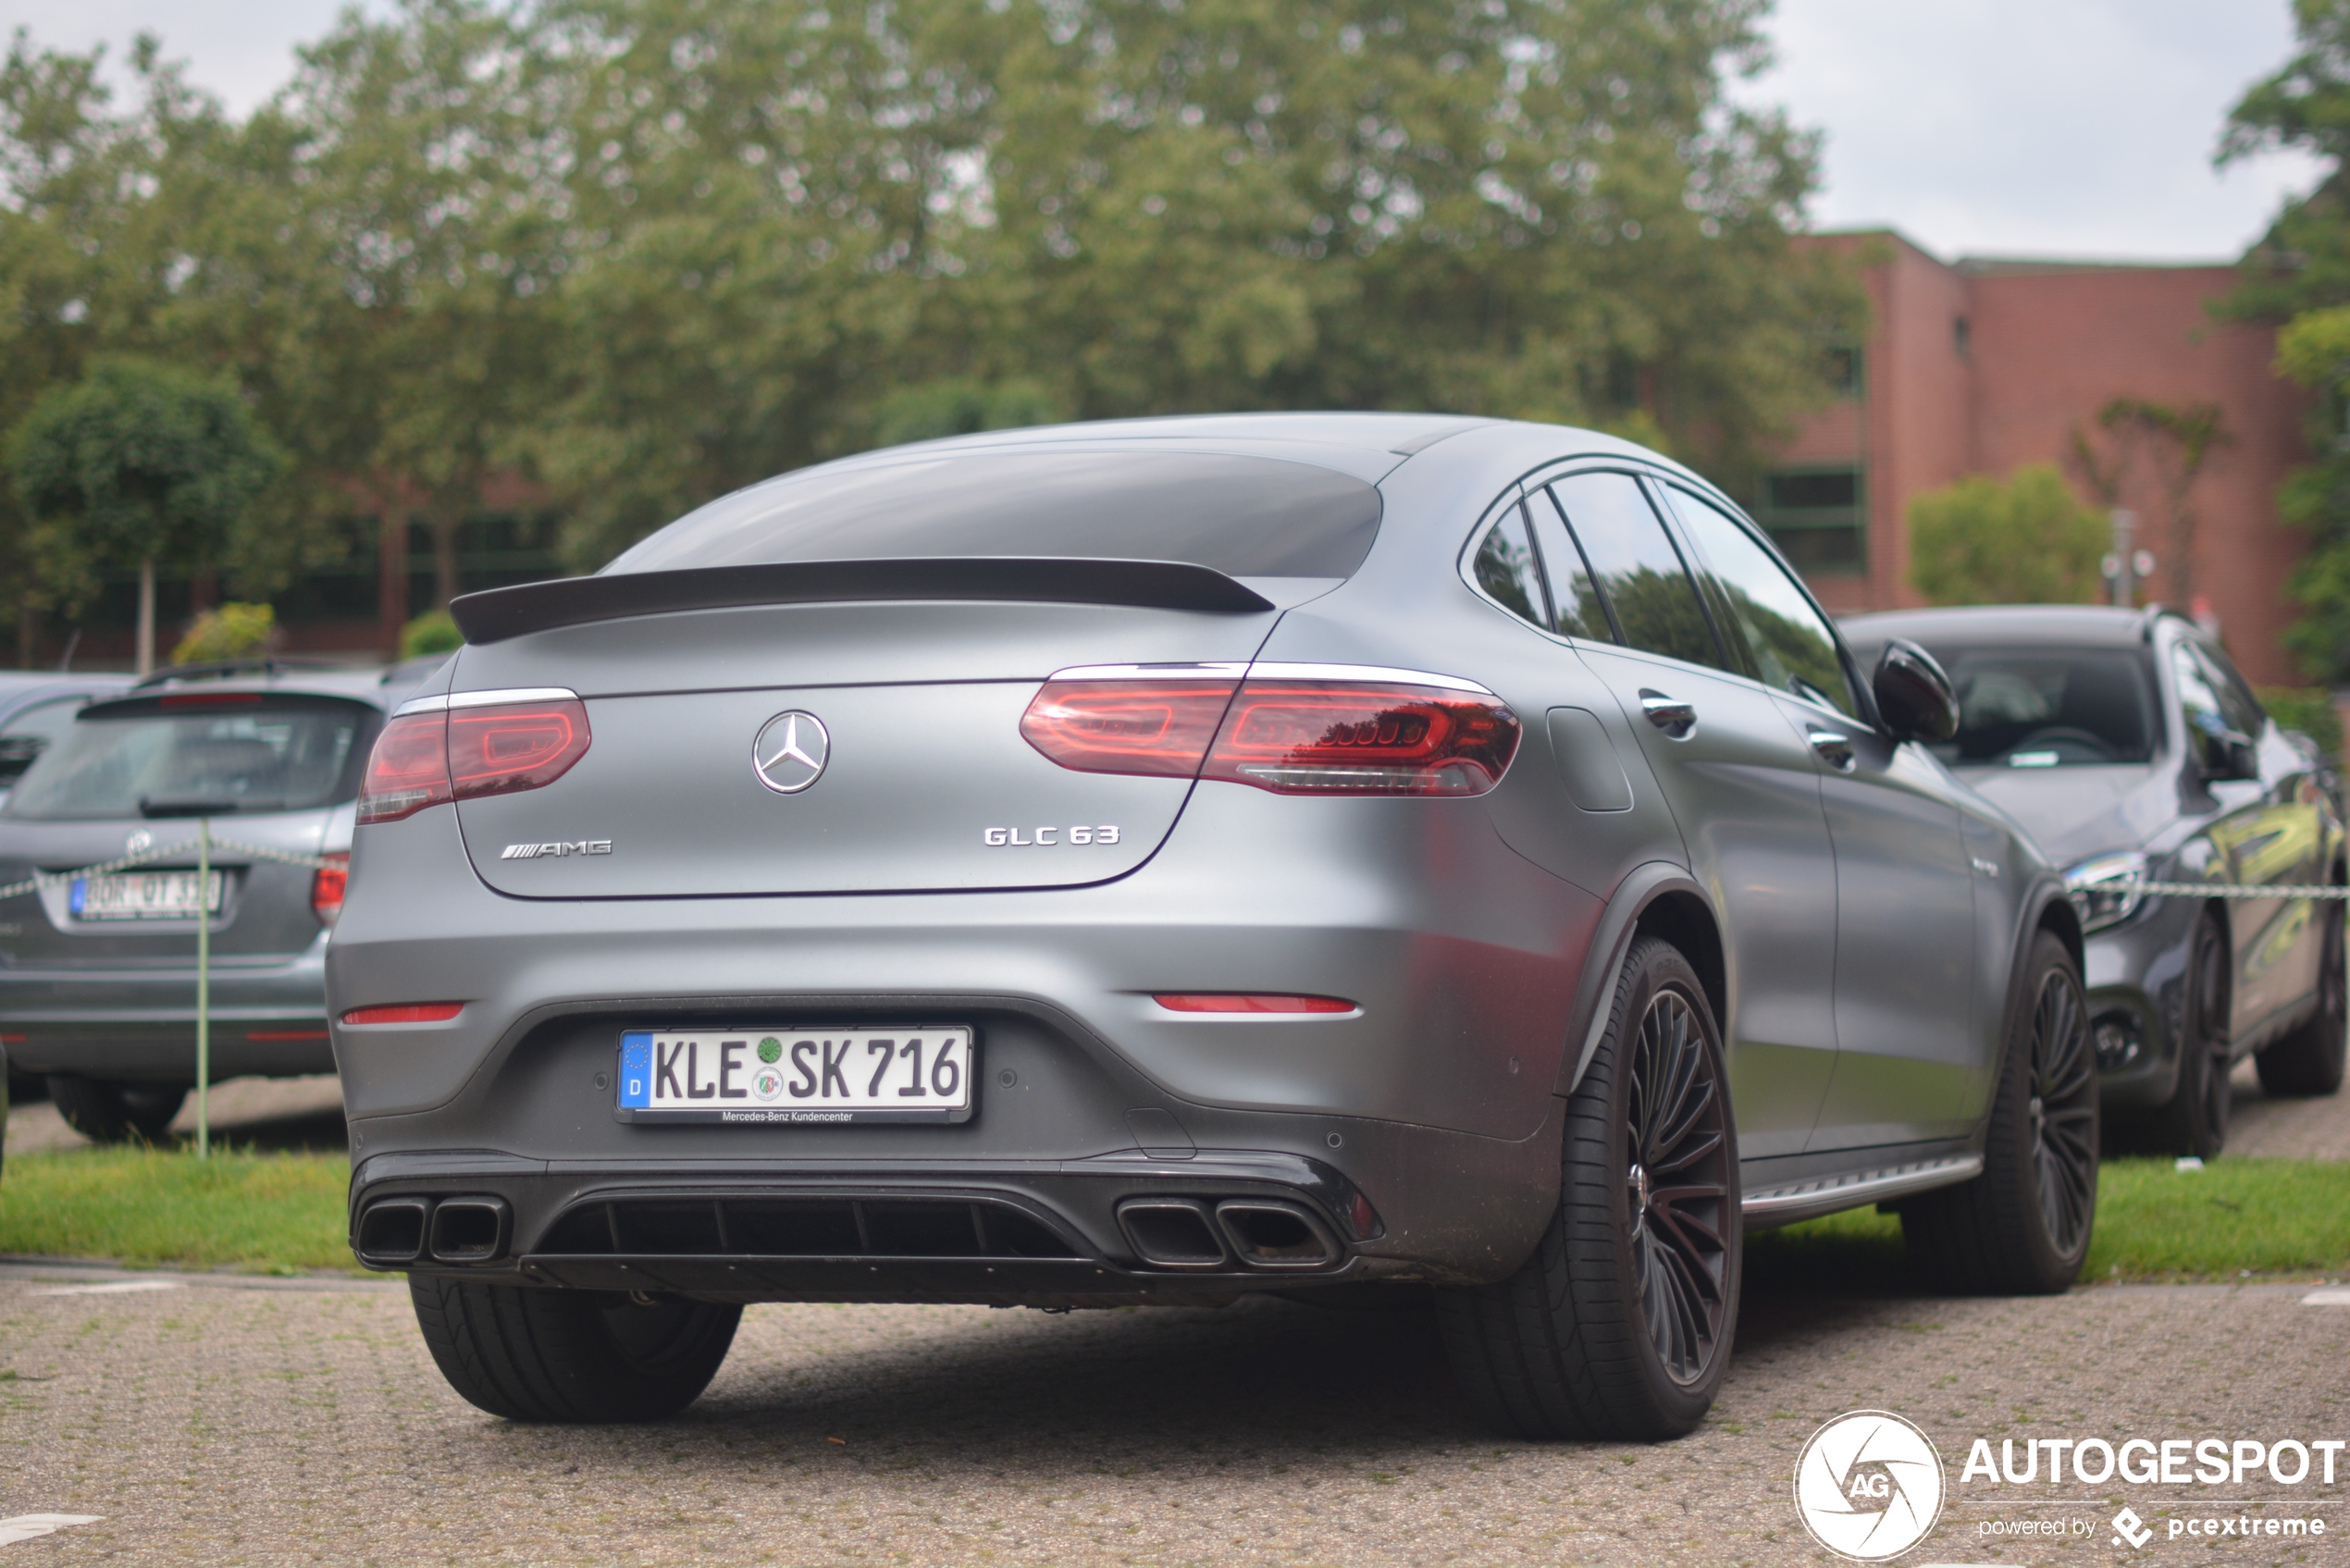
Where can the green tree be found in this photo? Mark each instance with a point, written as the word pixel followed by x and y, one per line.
pixel 2298 276
pixel 140 463
pixel 2027 539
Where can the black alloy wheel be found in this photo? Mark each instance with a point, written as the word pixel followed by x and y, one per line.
pixel 2022 1226
pixel 1677 1185
pixel 2064 1112
pixel 1620 1325
pixel 2194 1120
pixel 2309 1060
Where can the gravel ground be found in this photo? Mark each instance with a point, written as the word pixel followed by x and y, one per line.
pixel 215 1419
pixel 301 1421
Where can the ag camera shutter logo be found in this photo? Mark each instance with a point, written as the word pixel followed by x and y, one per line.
pixel 1869 1485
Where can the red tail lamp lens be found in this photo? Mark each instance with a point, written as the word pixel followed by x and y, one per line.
pixel 428 758
pixel 408 770
pixel 1157 727
pixel 406 1012
pixel 1345 738
pixel 328 886
pixel 1232 1001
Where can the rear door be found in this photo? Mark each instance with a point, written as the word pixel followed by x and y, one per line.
pixel 1741 784
pixel 1911 1060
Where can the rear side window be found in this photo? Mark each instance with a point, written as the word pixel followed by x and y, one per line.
pixel 1654 604
pixel 230 753
pixel 1505 568
pixel 33 732
pixel 1787 640
pixel 1574 598
pixel 1242 516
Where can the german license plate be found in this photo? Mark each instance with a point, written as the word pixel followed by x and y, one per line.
pixel 820 1075
pixel 142 895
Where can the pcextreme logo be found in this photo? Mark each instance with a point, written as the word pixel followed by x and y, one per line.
pixel 1869 1485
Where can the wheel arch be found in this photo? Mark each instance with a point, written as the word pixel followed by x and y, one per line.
pixel 1657 899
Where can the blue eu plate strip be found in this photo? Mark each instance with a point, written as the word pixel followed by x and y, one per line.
pixel 636 1070
pixel 80 891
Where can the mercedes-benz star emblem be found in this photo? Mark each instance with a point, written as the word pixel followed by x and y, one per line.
pixel 790 754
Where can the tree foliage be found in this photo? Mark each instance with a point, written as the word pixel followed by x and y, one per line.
pixel 2027 539
pixel 2298 276
pixel 642 253
pixel 138 463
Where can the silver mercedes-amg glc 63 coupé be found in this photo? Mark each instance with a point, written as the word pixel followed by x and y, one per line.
pixel 1153 863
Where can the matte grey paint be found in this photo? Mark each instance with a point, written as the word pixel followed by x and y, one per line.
pixel 1475 935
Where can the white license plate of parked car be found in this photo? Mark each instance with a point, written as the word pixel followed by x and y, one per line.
pixel 142 895
pixel 817 1075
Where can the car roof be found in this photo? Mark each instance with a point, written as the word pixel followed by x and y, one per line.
pixel 367 685
pixel 2065 625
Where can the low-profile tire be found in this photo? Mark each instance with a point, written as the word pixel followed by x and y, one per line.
pixel 1619 1325
pixel 2309 1060
pixel 2022 1226
pixel 581 1356
pixel 2194 1120
pixel 115 1113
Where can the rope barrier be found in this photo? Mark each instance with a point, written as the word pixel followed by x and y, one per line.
pixel 2235 889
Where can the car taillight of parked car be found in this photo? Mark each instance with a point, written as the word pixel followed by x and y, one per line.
pixel 327 884
pixel 423 759
pixel 1293 730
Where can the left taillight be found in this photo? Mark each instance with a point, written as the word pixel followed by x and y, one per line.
pixel 465 751
pixel 1291 729
pixel 328 886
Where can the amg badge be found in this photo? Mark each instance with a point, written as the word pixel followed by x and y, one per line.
pixel 577 846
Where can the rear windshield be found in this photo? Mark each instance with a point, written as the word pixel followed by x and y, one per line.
pixel 1242 516
pixel 222 753
pixel 2053 707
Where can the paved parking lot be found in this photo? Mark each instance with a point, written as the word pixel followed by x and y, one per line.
pixel 216 1420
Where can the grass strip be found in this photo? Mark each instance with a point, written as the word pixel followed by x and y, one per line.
pixel 261 1212
pixel 2154 1222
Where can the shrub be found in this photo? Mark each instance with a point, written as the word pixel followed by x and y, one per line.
pixel 433 632
pixel 2025 540
pixel 230 632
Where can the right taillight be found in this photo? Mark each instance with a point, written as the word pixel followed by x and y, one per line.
pixel 465 750
pixel 1291 729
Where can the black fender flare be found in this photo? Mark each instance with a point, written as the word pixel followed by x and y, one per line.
pixel 1604 960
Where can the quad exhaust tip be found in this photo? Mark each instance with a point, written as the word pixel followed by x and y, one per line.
pixel 1257 1233
pixel 397 1232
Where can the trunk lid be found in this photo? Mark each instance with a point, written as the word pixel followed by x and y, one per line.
pixel 927 783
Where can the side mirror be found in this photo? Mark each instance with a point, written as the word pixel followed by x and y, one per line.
pixel 1913 695
pixel 2229 756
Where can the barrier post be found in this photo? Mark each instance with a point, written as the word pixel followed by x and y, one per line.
pixel 204 987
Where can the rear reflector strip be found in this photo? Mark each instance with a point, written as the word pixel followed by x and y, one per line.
pixel 405 1012
pixel 1237 1002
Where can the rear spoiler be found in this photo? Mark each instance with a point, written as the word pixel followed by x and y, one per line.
pixel 499 613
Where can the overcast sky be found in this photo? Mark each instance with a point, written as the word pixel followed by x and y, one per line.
pixel 2067 127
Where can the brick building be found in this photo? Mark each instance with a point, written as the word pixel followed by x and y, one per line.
pixel 1983 366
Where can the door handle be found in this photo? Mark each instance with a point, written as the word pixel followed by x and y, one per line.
pixel 1670 714
pixel 1836 749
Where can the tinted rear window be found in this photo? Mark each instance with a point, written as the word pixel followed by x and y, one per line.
pixel 274 754
pixel 1242 516
pixel 2050 707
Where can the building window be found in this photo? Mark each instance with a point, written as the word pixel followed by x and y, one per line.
pixel 1962 335
pixel 1819 518
pixel 1844 371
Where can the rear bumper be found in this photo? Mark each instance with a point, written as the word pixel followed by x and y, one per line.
pixel 1433 1101
pixel 266 1019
